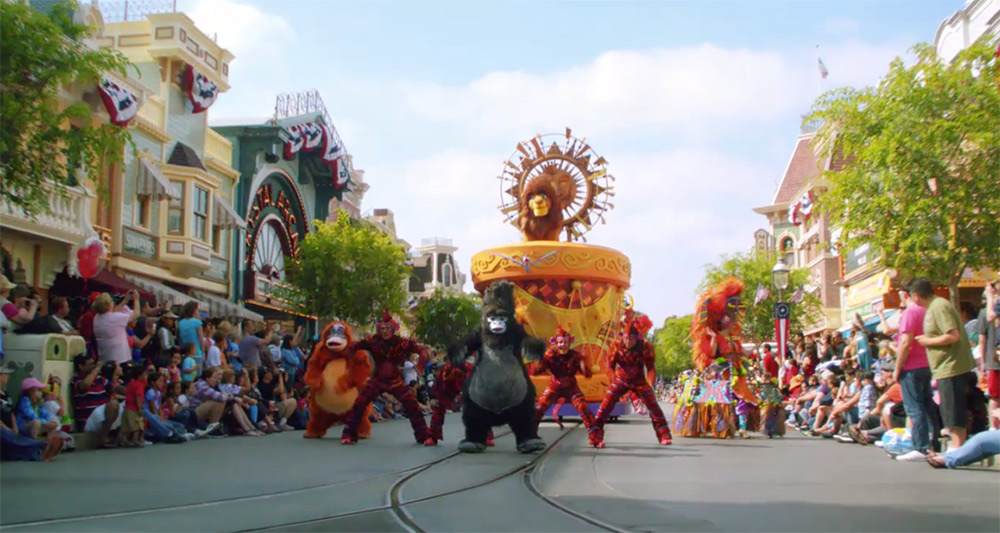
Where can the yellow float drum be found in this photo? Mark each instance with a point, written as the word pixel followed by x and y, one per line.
pixel 578 286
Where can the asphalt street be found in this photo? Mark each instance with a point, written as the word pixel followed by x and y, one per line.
pixel 389 483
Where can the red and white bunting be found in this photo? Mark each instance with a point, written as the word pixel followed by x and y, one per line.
pixel 294 141
pixel 313 134
pixel 201 91
pixel 121 104
pixel 331 149
pixel 803 209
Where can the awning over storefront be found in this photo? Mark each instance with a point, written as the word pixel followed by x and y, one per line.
pixel 153 183
pixel 224 217
pixel 161 291
pixel 221 307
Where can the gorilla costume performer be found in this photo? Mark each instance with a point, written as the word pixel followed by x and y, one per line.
pixel 446 390
pixel 630 356
pixel 717 394
pixel 389 351
pixel 499 390
pixel 564 363
pixel 335 372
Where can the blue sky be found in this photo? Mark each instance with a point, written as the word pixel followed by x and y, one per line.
pixel 695 105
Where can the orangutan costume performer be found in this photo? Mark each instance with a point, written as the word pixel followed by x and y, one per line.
pixel 389 351
pixel 446 391
pixel 564 363
pixel 706 408
pixel 631 355
pixel 335 371
pixel 540 215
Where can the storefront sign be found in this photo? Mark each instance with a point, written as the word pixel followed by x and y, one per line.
pixel 219 269
pixel 138 244
pixel 977 278
pixel 868 289
pixel 858 258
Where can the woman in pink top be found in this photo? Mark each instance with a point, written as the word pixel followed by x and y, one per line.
pixel 110 324
pixel 913 374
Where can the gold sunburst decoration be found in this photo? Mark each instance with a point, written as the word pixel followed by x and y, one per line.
pixel 579 174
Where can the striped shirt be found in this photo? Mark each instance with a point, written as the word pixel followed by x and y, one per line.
pixel 204 392
pixel 84 403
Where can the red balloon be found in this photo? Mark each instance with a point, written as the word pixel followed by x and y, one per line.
pixel 88 269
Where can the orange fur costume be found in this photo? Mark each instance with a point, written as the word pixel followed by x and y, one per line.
pixel 334 374
pixel 540 227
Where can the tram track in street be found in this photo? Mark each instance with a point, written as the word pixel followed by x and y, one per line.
pixel 395 507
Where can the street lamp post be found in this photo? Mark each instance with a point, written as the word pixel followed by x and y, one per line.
pixel 782 311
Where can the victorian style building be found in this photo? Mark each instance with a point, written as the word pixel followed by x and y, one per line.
pixel 293 170
pixel 802 237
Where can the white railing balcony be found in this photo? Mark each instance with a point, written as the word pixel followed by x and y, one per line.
pixel 154 112
pixel 218 148
pixel 68 220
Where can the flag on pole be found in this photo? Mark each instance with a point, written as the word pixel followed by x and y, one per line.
pixel 761 295
pixel 799 294
pixel 782 313
pixel 823 72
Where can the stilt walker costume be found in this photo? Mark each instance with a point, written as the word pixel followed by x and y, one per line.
pixel 708 406
pixel 389 351
pixel 564 363
pixel 631 356
pixel 446 390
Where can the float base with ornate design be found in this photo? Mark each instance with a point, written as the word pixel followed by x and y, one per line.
pixel 578 286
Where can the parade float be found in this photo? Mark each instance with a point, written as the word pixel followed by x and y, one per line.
pixel 556 187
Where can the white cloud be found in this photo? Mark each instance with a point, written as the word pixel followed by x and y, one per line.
pixel 256 38
pixel 619 90
pixel 687 89
pixel 842 26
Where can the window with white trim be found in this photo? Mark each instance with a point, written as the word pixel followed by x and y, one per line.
pixel 200 213
pixel 175 211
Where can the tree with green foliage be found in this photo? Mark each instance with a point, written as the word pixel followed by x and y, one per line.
pixel 922 152
pixel 753 269
pixel 673 348
pixel 348 270
pixel 41 141
pixel 445 317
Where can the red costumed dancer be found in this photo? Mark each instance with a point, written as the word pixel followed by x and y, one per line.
pixel 389 351
pixel 565 363
pixel 630 356
pixel 446 390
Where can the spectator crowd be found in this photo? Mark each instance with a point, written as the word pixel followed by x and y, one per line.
pixel 150 375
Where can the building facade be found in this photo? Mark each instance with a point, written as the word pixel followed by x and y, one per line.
pixel 282 188
pixel 965 26
pixel 801 236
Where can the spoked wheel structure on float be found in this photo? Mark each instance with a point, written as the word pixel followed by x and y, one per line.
pixel 555 188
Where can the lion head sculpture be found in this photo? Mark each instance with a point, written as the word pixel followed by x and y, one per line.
pixel 540 215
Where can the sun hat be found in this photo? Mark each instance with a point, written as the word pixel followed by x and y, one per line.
pixel 5 284
pixel 31 383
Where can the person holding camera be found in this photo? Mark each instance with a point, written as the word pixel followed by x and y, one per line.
pixel 110 326
pixel 95 408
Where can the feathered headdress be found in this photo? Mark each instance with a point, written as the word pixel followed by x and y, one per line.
pixel 561 333
pixel 635 322
pixel 387 320
pixel 716 303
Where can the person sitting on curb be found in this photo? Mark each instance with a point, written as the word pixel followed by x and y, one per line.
pixel 17 447
pixel 981 446
pixel 95 409
pixel 33 420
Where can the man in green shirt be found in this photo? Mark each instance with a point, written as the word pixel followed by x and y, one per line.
pixel 950 357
